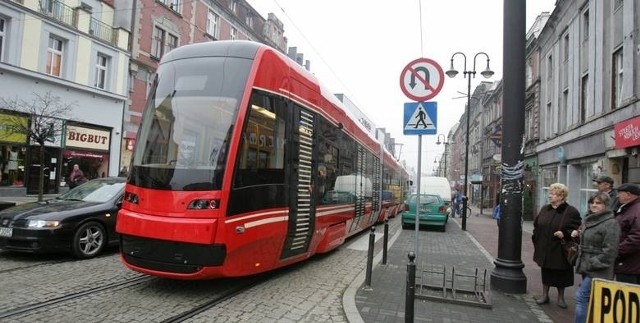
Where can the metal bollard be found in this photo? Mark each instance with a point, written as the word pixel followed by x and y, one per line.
pixel 411 288
pixel 385 241
pixel 372 240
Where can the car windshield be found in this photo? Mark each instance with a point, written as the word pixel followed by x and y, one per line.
pixel 94 191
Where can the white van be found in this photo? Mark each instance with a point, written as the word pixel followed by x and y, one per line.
pixel 436 185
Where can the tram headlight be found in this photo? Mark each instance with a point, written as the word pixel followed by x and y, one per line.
pixel 204 204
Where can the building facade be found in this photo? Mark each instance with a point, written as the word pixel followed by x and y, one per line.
pixel 581 106
pixel 587 87
pixel 77 52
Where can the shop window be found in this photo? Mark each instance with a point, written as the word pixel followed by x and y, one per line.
pixel 12 165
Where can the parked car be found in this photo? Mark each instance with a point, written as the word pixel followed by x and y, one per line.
pixel 81 221
pixel 432 211
pixel 437 185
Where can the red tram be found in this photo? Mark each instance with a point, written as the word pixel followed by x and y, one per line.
pixel 243 164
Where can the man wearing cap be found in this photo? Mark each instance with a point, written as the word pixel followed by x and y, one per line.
pixel 605 184
pixel 627 266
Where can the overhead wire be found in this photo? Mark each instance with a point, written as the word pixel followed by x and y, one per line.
pixel 310 44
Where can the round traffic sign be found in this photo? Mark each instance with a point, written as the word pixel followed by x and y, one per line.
pixel 422 79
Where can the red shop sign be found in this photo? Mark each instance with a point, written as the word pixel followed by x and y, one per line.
pixel 627 133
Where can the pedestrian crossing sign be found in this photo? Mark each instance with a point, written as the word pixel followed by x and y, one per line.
pixel 420 118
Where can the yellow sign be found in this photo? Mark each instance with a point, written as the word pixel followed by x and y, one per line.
pixel 614 302
pixel 10 131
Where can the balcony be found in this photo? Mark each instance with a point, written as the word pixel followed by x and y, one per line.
pixel 101 30
pixel 58 11
pixel 80 18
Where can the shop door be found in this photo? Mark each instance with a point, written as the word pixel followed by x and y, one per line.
pixel 51 170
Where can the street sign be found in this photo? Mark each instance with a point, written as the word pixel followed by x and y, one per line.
pixel 422 79
pixel 420 118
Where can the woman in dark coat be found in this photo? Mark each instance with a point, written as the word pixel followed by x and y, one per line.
pixel 599 236
pixel 554 223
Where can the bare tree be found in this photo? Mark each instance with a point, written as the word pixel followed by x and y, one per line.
pixel 46 113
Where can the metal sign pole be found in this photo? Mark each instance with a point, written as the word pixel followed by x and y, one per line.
pixel 417 219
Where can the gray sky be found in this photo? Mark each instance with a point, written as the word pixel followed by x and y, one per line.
pixel 360 48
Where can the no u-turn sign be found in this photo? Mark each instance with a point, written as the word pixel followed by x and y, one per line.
pixel 422 79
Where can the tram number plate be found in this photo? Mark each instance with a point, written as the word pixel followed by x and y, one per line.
pixel 6 232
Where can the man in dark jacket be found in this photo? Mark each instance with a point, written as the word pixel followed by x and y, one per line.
pixel 605 184
pixel 627 267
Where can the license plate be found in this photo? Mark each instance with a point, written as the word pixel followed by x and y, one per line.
pixel 6 232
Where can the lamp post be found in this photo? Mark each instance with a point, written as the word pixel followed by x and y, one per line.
pixel 507 276
pixel 446 145
pixel 452 72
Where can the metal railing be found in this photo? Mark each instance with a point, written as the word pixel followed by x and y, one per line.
pixel 58 11
pixel 101 30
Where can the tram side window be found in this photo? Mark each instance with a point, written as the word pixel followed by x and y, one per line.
pixel 368 176
pixel 348 148
pixel 327 157
pixel 261 152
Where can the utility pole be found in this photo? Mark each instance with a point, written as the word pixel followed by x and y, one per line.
pixel 507 276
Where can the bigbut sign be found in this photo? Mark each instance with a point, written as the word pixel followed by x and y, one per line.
pixel 89 138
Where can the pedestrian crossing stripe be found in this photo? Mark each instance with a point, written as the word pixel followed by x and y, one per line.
pixel 420 118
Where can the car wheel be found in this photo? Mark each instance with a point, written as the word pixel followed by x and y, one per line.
pixel 405 226
pixel 89 240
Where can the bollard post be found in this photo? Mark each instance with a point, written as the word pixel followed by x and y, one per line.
pixel 385 242
pixel 411 288
pixel 372 240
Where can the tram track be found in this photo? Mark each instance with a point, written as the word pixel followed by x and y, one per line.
pixel 32 265
pixel 207 305
pixel 73 296
pixel 29 264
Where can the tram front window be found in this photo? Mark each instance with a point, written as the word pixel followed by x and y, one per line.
pixel 183 139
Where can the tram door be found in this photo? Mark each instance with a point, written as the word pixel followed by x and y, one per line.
pixel 300 170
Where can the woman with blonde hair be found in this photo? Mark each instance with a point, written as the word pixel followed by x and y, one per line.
pixel 554 223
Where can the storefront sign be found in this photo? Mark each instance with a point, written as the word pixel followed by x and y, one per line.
pixel 9 131
pixel 84 154
pixel 87 138
pixel 627 133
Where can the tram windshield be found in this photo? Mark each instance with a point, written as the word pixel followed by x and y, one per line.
pixel 186 126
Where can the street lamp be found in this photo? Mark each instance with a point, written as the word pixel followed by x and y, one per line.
pixel 446 145
pixel 452 72
pixel 439 165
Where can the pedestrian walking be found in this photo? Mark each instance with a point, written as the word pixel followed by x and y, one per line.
pixel 497 210
pixel 457 202
pixel 77 177
pixel 554 223
pixel 605 184
pixel 627 267
pixel 124 172
pixel 599 235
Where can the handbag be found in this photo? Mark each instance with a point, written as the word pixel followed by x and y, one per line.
pixel 570 251
pixel 570 247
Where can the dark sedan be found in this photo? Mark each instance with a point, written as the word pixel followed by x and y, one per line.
pixel 81 221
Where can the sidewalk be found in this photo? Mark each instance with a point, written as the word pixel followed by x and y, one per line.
pixel 466 251
pixel 27 198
